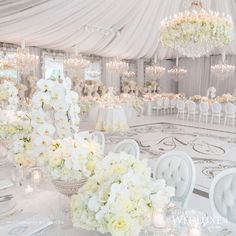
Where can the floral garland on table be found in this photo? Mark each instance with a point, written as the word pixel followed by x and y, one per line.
pixel 137 105
pixel 224 98
pixel 71 159
pixel 120 198
pixel 196 98
pixel 9 95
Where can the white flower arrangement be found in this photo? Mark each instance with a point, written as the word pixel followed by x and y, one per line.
pixel 21 152
pixel 71 159
pixel 55 112
pixel 196 98
pixel 227 97
pixel 120 197
pixel 13 123
pixel 9 95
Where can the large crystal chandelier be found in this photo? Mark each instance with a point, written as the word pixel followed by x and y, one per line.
pixel 117 65
pixel 24 60
pixel 129 74
pixel 155 71
pixel 197 31
pixel 222 70
pixel 74 65
pixel 177 72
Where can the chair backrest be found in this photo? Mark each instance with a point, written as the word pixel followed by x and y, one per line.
pixel 191 106
pixel 166 102
pixel 223 195
pixel 230 108
pixel 204 107
pixel 216 107
pixel 180 105
pixel 159 102
pixel 178 169
pixel 173 102
pixel 128 146
pixel 100 138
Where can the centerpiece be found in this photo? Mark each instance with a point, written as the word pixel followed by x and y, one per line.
pixel 120 198
pixel 70 161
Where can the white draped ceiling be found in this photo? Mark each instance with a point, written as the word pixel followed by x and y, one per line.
pixel 57 24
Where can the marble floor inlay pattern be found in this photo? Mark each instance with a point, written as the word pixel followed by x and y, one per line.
pixel 212 150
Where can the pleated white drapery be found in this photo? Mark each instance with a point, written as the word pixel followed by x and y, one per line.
pixel 58 24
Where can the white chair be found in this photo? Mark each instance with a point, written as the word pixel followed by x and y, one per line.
pixel 191 109
pixel 216 112
pixel 203 108
pixel 178 169
pixel 160 105
pixel 166 105
pixel 100 138
pixel 230 110
pixel 223 195
pixel 173 105
pixel 128 146
pixel 180 108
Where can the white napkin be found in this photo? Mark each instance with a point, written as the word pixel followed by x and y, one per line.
pixel 5 183
pixel 25 227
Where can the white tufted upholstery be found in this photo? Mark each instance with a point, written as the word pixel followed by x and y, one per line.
pixel 191 108
pixel 223 195
pixel 178 170
pixel 99 137
pixel 129 146
pixel 230 110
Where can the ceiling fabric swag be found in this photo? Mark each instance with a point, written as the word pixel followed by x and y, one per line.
pixel 35 22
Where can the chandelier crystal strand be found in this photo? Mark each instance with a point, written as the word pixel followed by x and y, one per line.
pixel 117 65
pixel 197 31
pixel 177 72
pixel 223 70
pixel 24 60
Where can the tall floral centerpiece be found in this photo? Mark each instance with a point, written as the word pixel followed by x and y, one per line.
pixel 120 198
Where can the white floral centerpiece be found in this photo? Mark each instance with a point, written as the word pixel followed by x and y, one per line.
pixel 196 98
pixel 120 198
pixel 8 95
pixel 71 159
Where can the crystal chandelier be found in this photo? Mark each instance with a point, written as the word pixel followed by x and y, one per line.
pixel 177 72
pixel 75 64
pixel 197 31
pixel 129 74
pixel 155 71
pixel 223 70
pixel 24 60
pixel 117 65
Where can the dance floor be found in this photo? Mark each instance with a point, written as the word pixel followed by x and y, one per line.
pixel 212 150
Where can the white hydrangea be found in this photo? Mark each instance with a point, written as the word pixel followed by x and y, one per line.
pixel 120 197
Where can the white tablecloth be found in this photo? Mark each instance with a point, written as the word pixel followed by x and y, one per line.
pixel 111 119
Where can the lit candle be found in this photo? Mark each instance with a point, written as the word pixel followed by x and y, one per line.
pixel 194 232
pixel 159 219
pixel 29 189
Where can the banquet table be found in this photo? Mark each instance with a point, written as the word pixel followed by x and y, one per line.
pixel 111 119
pixel 44 200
